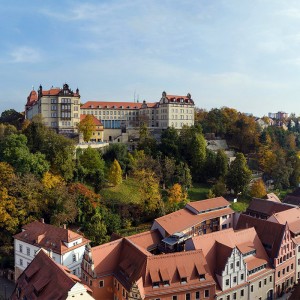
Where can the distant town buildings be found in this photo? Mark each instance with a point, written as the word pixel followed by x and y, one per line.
pixel 62 110
pixel 278 116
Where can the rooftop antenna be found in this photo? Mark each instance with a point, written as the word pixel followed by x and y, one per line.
pixel 134 97
pixel 138 98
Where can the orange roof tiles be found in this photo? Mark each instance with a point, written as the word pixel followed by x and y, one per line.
pixel 269 233
pixel 210 245
pixel 44 279
pixel 208 204
pixel 49 237
pixel 95 120
pixel 183 219
pixel 146 240
pixel 111 105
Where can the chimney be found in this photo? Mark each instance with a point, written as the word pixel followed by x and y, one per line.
pixel 42 220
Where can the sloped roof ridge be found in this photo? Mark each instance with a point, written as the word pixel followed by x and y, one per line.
pixel 106 245
pixel 175 254
pixel 141 249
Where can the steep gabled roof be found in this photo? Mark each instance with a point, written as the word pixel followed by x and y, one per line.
pixel 265 207
pixel 44 279
pixel 217 246
pixel 95 120
pixel 270 233
pixel 49 237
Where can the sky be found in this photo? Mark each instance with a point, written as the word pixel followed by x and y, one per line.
pixel 240 54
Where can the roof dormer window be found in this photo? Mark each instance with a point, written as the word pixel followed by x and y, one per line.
pixel 183 280
pixel 155 284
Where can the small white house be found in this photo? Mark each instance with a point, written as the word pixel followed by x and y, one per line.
pixel 64 246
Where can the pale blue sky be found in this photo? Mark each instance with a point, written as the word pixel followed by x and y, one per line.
pixel 243 54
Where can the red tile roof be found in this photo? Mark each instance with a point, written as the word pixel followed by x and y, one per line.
pixel 270 233
pixel 95 120
pixel 130 262
pixel 49 237
pixel 183 219
pixel 111 105
pixel 229 238
pixel 265 207
pixel 44 279
pixel 208 204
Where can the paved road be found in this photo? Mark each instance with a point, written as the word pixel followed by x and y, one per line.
pixel 6 288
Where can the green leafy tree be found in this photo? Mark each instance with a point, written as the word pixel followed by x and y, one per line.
pixel 221 164
pixel 239 175
pixel 96 230
pixel 12 117
pixel 219 188
pixel 86 127
pixel 169 145
pixel 115 173
pixel 147 143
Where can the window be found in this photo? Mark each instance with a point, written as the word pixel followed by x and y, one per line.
pixel 283 271
pixel 287 268
pixel 292 266
pixel 251 288
pixel 228 297
pixel 101 283
pixel 265 281
pixel 188 296
pixel 91 282
pixel 234 279
pixel 197 295
pixel 227 282
pixel 174 297
pixel 242 293
pixel 155 284
pixel 166 283
pixel 278 274
pixel 231 266
pixel 237 263
pixel 74 257
pixel 259 284
pixel 224 226
pixel 28 251
pixel 21 262
pixel 234 296
pixel 206 293
pixel 21 248
pixel 270 279
pixel 242 276
pixel 183 280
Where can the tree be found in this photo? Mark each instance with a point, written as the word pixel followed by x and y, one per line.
pixel 221 164
pixel 96 230
pixel 176 197
pixel 12 117
pixel 86 127
pixel 219 188
pixel 147 143
pixel 115 173
pixel 9 213
pixel 239 175
pixel 258 189
pixel 169 145
pixel 149 189
pixel 7 175
pixel 50 180
pixel 14 150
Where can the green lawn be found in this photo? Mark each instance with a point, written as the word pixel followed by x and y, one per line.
pixel 198 192
pixel 126 192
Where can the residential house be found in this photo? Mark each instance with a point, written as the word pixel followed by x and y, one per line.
pixel 45 279
pixel 97 132
pixel 279 245
pixel 66 247
pixel 196 218
pixel 58 107
pixel 238 262
pixel 128 268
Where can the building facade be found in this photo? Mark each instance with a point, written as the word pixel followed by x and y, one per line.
pixel 59 108
pixel 65 246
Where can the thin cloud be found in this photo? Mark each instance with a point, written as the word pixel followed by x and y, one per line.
pixel 25 54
